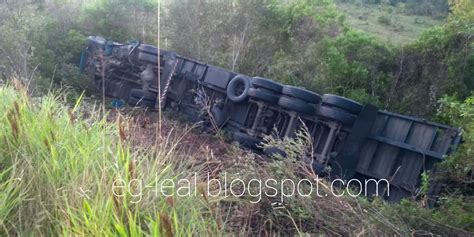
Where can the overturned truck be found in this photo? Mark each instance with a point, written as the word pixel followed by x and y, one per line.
pixel 356 141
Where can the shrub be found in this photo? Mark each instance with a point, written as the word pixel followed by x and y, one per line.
pixel 394 2
pixel 384 20
pixel 418 21
pixel 459 168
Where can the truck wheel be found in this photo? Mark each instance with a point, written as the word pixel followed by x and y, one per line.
pixel 349 105
pixel 260 82
pixel 246 140
pixel 152 59
pixel 146 95
pixel 296 105
pixel 335 114
pixel 302 94
pixel 263 95
pixel 238 88
pixel 274 151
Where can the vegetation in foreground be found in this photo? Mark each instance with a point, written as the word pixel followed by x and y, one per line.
pixel 59 164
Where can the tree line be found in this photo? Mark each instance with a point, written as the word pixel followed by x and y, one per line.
pixel 301 42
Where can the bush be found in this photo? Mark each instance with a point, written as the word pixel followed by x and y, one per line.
pixel 394 2
pixel 459 168
pixel 418 21
pixel 384 20
pixel 439 63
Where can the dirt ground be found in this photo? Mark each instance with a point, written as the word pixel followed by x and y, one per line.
pixel 141 127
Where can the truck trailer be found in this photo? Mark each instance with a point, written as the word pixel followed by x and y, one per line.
pixel 350 140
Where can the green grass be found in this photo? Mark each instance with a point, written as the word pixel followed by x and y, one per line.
pixel 387 23
pixel 58 164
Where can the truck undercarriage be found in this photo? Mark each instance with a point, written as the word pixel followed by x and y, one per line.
pixel 356 141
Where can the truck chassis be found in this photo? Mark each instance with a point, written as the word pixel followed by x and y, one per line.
pixel 356 141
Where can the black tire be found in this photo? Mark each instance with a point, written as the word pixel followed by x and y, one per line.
pixel 335 115
pixel 263 95
pixel 245 140
pixel 232 87
pixel 302 94
pixel 141 102
pixel 260 82
pixel 349 105
pixel 143 94
pixel 148 58
pixel 273 152
pixel 296 105
pixel 218 116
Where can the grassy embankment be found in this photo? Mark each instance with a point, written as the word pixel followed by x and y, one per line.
pixel 58 164
pixel 387 23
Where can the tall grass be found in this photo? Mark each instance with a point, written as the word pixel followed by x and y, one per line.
pixel 58 165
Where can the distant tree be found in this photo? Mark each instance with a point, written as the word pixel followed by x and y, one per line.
pixel 215 31
pixel 394 2
pixel 122 20
pixel 20 28
pixel 434 8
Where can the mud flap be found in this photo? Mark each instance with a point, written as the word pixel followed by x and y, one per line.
pixel 345 163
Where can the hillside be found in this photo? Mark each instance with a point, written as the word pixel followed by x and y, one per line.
pixel 388 23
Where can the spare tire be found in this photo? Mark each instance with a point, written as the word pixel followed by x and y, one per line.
pixel 349 105
pixel 297 105
pixel 263 95
pixel 238 88
pixel 302 94
pixel 335 115
pixel 260 82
